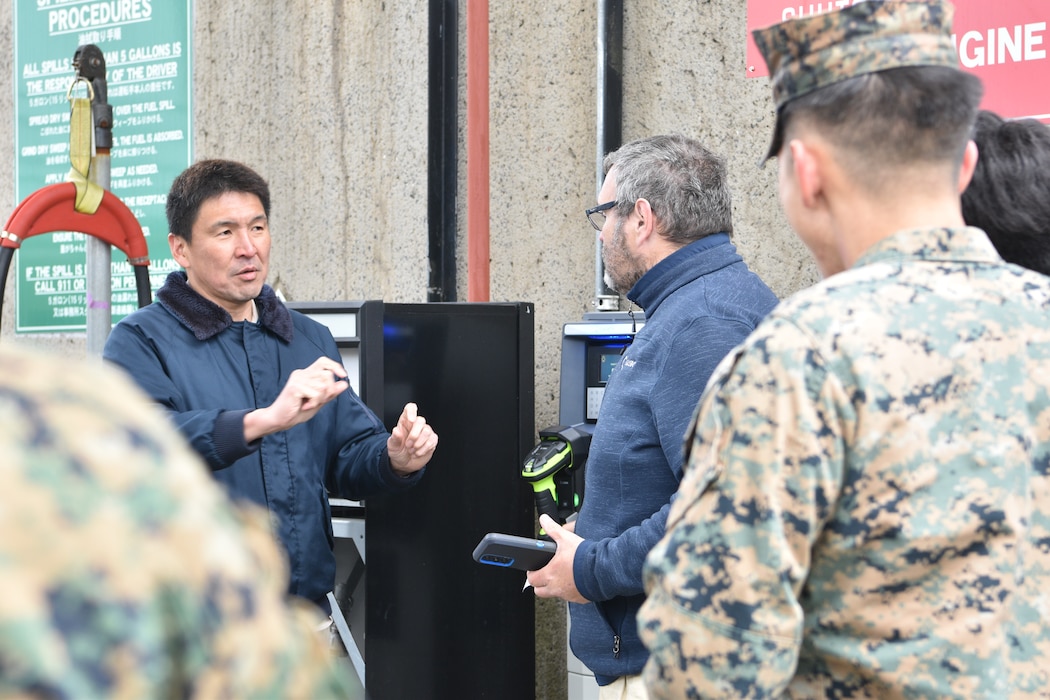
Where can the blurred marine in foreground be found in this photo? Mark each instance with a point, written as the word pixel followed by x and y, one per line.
pixel 125 572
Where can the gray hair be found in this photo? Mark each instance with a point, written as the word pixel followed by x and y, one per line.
pixel 683 182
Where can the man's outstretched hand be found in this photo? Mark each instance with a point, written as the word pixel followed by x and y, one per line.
pixel 412 442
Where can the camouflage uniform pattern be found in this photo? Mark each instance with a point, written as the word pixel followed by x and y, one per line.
pixel 807 54
pixel 124 570
pixel 866 506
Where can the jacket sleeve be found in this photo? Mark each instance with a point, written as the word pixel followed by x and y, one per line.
pixel 613 567
pixel 723 616
pixel 216 435
pixel 360 466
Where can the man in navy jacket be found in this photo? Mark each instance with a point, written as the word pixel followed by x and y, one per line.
pixel 257 388
pixel 665 221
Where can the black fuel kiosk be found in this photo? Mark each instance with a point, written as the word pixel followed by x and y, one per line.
pixel 436 623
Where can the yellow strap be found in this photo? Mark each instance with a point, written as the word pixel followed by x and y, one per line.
pixel 81 151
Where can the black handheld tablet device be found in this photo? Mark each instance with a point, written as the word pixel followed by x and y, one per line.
pixel 511 551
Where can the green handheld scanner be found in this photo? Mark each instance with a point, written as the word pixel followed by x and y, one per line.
pixel 547 459
pixel 554 468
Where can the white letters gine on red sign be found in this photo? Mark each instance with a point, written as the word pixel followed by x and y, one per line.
pixel 998 45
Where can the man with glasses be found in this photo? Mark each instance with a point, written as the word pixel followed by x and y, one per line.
pixel 665 223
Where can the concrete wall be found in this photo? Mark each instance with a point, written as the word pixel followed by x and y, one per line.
pixel 328 100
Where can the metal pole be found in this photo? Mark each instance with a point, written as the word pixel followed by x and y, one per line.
pixel 443 132
pixel 91 64
pixel 609 121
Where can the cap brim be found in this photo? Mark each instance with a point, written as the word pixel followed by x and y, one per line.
pixel 775 144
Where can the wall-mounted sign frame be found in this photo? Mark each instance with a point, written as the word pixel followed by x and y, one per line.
pixel 146 44
pixel 1004 43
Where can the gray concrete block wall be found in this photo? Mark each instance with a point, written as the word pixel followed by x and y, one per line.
pixel 328 100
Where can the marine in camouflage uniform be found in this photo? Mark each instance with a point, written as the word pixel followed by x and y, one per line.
pixel 865 511
pixel 124 570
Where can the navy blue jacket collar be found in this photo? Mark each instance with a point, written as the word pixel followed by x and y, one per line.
pixel 206 319
pixel 681 267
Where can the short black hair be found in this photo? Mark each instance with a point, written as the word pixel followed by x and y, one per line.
pixel 892 118
pixel 207 179
pixel 1009 195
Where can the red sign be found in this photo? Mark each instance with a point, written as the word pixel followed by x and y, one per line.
pixel 1005 43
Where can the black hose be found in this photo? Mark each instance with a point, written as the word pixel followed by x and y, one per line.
pixel 5 263
pixel 142 285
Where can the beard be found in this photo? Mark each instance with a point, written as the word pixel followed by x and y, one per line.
pixel 622 269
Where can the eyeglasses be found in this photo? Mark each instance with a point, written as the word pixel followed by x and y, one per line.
pixel 596 215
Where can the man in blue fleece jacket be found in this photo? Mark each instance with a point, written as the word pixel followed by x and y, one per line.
pixel 665 219
pixel 256 388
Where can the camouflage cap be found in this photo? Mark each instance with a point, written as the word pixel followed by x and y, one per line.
pixel 813 52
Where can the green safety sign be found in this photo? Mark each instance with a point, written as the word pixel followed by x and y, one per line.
pixel 146 45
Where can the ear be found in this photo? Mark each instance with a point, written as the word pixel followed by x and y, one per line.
pixel 178 247
pixel 969 164
pixel 807 167
pixel 646 225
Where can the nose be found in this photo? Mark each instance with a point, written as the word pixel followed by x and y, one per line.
pixel 246 247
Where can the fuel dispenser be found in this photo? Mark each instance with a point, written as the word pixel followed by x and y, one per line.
pixel 590 352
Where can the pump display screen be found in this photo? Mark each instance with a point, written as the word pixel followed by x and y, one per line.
pixel 608 362
pixel 602 359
